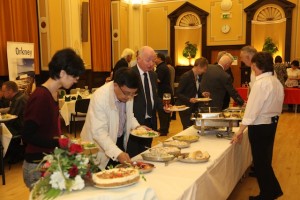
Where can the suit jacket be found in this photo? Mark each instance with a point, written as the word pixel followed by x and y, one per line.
pixel 102 123
pixel 120 64
pixel 186 89
pixel 217 82
pixel 163 74
pixel 139 105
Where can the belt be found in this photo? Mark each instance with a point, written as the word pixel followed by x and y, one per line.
pixel 275 119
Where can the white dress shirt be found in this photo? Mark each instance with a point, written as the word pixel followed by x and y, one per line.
pixel 265 100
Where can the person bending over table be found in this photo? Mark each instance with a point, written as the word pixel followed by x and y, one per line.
pixel 41 118
pixel 110 118
pixel 261 116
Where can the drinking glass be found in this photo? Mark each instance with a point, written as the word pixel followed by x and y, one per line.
pixel 166 99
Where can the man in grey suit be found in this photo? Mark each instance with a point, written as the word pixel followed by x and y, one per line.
pixel 147 101
pixel 217 82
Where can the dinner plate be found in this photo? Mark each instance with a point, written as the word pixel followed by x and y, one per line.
pixel 118 186
pixel 174 109
pixel 7 117
pixel 138 165
pixel 146 134
pixel 203 99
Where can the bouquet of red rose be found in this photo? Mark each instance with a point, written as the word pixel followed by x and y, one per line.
pixel 64 170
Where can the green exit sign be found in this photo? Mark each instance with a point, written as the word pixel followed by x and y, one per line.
pixel 226 15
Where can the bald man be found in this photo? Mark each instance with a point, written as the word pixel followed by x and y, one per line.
pixel 217 82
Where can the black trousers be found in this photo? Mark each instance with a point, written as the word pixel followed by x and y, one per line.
pixel 137 145
pixel 164 121
pixel 261 139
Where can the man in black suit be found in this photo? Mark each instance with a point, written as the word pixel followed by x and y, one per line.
pixel 126 57
pixel 189 89
pixel 164 86
pixel 147 101
pixel 217 82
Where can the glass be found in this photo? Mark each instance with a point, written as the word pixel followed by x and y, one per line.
pixel 167 99
pixel 128 94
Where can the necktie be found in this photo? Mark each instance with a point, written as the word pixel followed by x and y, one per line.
pixel 199 88
pixel 148 97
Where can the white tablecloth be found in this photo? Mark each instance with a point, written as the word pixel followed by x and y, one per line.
pixel 214 179
pixel 66 108
pixel 5 137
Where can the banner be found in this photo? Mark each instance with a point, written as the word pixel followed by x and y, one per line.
pixel 20 58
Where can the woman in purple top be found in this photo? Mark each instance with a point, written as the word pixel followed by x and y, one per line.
pixel 41 118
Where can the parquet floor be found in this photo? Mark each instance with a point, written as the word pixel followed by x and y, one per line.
pixel 286 163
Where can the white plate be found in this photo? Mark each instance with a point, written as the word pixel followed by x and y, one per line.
pixel 156 134
pixel 177 109
pixel 114 187
pixel 9 117
pixel 189 160
pixel 203 99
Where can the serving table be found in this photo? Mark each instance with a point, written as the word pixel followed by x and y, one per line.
pixel 214 179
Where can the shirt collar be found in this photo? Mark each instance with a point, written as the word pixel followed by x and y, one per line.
pixel 263 75
pixel 140 70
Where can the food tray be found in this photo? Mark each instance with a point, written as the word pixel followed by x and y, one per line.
pixel 149 157
pixel 184 158
pixel 181 146
pixel 186 138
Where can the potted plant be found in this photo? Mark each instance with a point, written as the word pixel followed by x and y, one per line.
pixel 269 46
pixel 189 51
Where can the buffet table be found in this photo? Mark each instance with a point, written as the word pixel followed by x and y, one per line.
pixel 214 179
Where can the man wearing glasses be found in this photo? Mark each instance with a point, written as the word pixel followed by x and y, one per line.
pixel 110 118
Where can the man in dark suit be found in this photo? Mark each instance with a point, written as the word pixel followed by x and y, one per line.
pixel 217 82
pixel 189 90
pixel 126 57
pixel 147 101
pixel 164 86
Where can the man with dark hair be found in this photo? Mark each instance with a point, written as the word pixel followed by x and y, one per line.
pixel 163 86
pixel 189 89
pixel 261 117
pixel 110 118
pixel 18 102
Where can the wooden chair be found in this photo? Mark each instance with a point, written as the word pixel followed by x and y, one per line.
pixel 81 107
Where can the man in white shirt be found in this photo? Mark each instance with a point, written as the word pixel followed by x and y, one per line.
pixel 261 116
pixel 110 118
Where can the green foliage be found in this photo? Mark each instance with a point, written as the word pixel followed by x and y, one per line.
pixel 190 50
pixel 269 46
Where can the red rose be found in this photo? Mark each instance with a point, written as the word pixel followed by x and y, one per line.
pixel 73 171
pixel 75 148
pixel 63 142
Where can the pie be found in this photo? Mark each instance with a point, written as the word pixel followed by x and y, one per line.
pixel 176 143
pixel 116 177
pixel 162 151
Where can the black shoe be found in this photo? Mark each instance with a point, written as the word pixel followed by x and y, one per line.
pixel 255 197
pixel 252 174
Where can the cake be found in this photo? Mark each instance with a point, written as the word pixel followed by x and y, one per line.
pixel 116 177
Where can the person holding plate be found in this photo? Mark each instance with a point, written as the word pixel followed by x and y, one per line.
pixel 189 89
pixel 110 118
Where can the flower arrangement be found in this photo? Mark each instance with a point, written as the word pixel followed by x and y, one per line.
pixel 269 46
pixel 189 50
pixel 64 170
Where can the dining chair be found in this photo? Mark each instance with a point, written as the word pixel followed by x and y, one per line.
pixel 81 108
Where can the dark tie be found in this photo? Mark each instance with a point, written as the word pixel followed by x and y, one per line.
pixel 199 88
pixel 148 96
